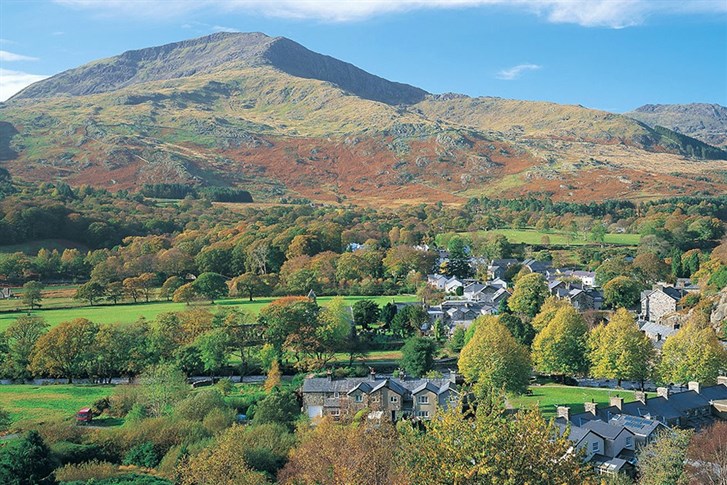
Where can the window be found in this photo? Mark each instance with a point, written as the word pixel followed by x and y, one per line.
pixel 358 398
pixel 595 446
pixel 423 414
pixel 423 399
pixel 375 398
pixel 629 441
pixel 336 395
pixel 335 412
pixel 394 399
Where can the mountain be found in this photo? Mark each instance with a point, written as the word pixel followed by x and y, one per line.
pixel 705 122
pixel 268 115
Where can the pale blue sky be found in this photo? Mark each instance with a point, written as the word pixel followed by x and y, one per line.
pixel 608 54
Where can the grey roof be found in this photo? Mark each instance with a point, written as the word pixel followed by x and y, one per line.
pixel 576 433
pixel 605 430
pixel 715 393
pixel 474 288
pixel 656 407
pixel 636 424
pixel 427 385
pixel 403 387
pixel 688 400
pixel 672 292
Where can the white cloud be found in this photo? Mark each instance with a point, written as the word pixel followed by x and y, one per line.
pixel 13 81
pixel 516 71
pixel 222 28
pixel 588 13
pixel 11 57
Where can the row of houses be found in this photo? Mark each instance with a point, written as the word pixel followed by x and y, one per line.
pixel 385 398
pixel 609 436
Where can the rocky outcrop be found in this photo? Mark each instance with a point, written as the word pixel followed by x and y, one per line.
pixel 719 311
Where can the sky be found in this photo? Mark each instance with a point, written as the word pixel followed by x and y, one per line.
pixel 613 55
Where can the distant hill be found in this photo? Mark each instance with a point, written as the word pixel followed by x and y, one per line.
pixel 269 116
pixel 705 122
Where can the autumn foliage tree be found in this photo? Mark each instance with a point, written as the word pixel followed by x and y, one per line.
pixel 619 350
pixel 66 350
pixel 560 348
pixel 692 354
pixel 494 358
pixel 528 295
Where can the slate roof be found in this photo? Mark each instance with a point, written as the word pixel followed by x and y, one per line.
pixel 714 393
pixel 637 425
pixel 605 430
pixel 688 400
pixel 403 387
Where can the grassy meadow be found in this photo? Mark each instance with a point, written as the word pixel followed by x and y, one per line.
pixel 546 398
pixel 559 238
pixel 37 404
pixel 129 312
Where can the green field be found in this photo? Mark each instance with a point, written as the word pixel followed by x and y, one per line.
pixel 559 238
pixel 128 312
pixel 47 403
pixel 549 396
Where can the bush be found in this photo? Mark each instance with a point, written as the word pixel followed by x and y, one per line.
pixel 278 407
pixel 101 405
pixel 136 413
pixel 218 419
pixel 59 431
pixel 84 472
pixel 143 455
pixel 127 479
pixel 197 406
pixel 65 452
pixel 123 399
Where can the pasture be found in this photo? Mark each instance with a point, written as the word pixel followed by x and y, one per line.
pixel 36 404
pixel 130 312
pixel 559 238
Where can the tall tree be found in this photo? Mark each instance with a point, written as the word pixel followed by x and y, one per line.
pixel 251 284
pixel 365 313
pixel 694 353
pixel 162 386
pixel 619 350
pixel 32 293
pixel 494 358
pixel 211 285
pixel 91 291
pixel 560 348
pixel 459 259
pixel 21 337
pixel 417 356
pixel 622 292
pixel 661 462
pixel 528 295
pixel 67 350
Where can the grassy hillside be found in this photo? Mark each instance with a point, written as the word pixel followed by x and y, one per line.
pixel 276 126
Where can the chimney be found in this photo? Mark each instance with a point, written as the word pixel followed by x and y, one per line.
pixel 564 412
pixel 640 396
pixel 617 401
pixel 695 386
pixel 372 374
pixel 452 377
pixel 329 374
pixel 722 381
pixel 663 392
pixel 591 407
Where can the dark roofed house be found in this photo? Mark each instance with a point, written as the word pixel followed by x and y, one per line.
pixel 387 398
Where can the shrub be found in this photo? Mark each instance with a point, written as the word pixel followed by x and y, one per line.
pixel 218 419
pixel 136 413
pixel 142 455
pixel 83 472
pixel 62 430
pixel 101 405
pixel 123 399
pixel 73 453
pixel 197 406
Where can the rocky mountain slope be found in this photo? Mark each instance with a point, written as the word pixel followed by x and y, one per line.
pixel 270 116
pixel 705 122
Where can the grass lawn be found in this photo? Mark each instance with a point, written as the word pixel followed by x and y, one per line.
pixel 534 237
pixel 128 312
pixel 37 404
pixel 547 397
pixel 371 358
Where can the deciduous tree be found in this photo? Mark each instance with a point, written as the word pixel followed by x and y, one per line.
pixel 692 354
pixel 32 293
pixel 560 348
pixel 528 295
pixel 494 358
pixel 67 350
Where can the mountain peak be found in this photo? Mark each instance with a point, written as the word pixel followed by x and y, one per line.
pixel 211 53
